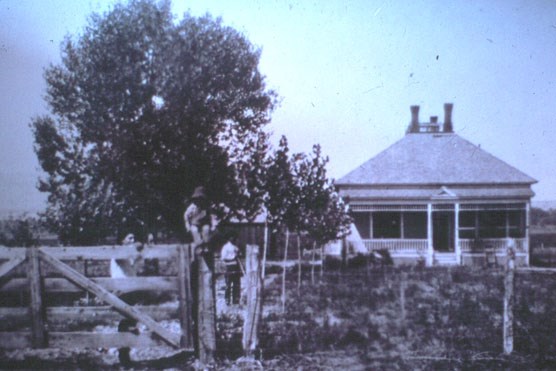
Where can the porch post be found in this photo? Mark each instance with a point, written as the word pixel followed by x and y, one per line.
pixel 430 250
pixel 456 235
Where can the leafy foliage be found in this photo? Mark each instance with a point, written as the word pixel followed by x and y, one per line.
pixel 281 197
pixel 540 217
pixel 323 214
pixel 19 232
pixel 302 198
pixel 145 108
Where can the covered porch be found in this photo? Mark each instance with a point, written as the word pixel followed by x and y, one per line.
pixel 445 233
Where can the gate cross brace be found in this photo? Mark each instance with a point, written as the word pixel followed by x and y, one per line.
pixel 10 264
pixel 106 296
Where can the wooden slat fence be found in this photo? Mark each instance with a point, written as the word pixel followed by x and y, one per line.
pixel 45 272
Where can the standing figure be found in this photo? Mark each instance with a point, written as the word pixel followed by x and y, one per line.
pixel 230 257
pixel 122 268
pixel 197 217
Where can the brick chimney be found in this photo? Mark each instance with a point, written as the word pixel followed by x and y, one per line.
pixel 448 126
pixel 434 124
pixel 414 126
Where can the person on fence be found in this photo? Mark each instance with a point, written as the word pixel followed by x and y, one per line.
pixel 230 257
pixel 198 219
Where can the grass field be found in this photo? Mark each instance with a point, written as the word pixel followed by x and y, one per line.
pixel 415 319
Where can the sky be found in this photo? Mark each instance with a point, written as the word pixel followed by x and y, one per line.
pixel 346 73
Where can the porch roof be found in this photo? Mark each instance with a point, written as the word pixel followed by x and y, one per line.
pixel 439 158
pixel 436 193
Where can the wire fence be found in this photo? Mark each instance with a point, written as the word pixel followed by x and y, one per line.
pixel 450 312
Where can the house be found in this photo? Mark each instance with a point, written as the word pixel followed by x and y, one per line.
pixel 434 196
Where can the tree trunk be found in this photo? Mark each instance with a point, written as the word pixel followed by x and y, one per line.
pixel 344 253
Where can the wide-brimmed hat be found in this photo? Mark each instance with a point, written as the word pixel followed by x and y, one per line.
pixel 199 193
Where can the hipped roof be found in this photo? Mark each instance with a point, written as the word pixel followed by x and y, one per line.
pixel 439 158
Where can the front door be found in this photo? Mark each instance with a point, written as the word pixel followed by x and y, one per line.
pixel 443 230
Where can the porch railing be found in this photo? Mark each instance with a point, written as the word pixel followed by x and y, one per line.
pixel 497 245
pixel 396 244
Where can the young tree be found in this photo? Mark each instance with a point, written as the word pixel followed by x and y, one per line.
pixel 281 195
pixel 323 213
pixel 143 109
pixel 252 169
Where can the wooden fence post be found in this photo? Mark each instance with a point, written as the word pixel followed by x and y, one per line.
pixel 322 261
pixel 313 263
pixel 184 283
pixel 403 284
pixel 254 301
pixel 298 264
pixel 283 296
pixel 509 298
pixel 206 308
pixel 35 288
pixel 265 248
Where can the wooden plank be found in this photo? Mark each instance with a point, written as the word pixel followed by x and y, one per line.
pixel 162 252
pixel 69 340
pixel 206 309
pixel 14 318
pixel 250 338
pixel 508 331
pixel 536 269
pixel 185 297
pixel 15 340
pixel 104 295
pixel 10 264
pixel 69 318
pixel 82 340
pixel 38 337
pixel 7 253
pixel 114 285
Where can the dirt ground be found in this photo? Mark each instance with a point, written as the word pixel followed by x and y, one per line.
pixel 352 321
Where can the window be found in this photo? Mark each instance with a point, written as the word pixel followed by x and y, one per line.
pixel 363 223
pixel 467 223
pixel 492 224
pixel 386 225
pixel 516 223
pixel 414 225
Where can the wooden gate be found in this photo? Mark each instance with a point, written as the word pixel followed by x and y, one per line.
pixel 46 272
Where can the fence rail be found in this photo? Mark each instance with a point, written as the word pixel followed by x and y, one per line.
pixel 49 270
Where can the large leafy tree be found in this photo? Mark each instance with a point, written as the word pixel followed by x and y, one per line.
pixel 143 109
